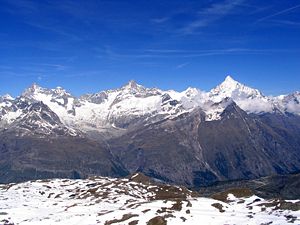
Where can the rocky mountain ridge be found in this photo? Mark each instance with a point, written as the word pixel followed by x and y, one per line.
pixel 192 138
pixel 134 103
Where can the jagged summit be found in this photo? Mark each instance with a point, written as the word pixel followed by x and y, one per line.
pixel 133 86
pixel 35 90
pixel 31 91
pixel 229 84
pixel 35 86
pixel 60 91
pixel 6 97
pixel 190 91
pixel 134 102
pixel 228 78
pixel 234 89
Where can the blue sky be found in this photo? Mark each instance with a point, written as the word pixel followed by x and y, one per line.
pixel 92 45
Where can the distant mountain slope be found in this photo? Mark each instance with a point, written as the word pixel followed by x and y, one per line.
pixel 191 151
pixel 270 187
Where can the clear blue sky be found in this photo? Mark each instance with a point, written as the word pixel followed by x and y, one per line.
pixel 92 45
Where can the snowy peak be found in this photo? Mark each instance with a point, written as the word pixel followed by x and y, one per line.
pixel 233 89
pixel 190 92
pixel 6 97
pixel 292 102
pixel 37 118
pixel 133 87
pixel 5 101
pixel 35 90
pixel 35 87
pixel 229 81
pixel 59 91
pixel 249 99
pixel 229 84
pixel 58 99
pixel 292 97
pixel 134 102
pixel 6 104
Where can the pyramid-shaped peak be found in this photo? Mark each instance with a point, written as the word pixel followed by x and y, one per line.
pixel 234 89
pixel 229 79
pixel 230 83
pixel 133 85
pixel 33 88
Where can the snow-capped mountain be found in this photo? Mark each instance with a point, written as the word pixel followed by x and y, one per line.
pixel 33 118
pixel 134 104
pixel 291 102
pixel 59 100
pixel 233 89
pixel 191 137
pixel 6 102
pixel 249 99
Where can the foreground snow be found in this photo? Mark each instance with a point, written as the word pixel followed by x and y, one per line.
pixel 123 201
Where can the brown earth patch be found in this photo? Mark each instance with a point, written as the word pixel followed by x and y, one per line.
pixel 237 192
pixel 218 206
pixel 158 220
pixel 124 218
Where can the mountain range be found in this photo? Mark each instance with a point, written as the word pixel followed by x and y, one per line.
pixel 193 138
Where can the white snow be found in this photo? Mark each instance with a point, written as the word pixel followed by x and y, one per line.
pixel 12 116
pixel 99 200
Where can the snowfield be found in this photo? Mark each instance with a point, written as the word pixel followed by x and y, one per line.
pixel 106 201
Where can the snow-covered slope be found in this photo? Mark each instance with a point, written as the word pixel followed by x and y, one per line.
pixel 6 102
pixel 249 99
pixel 113 108
pixel 58 100
pixel 107 201
pixel 233 89
pixel 134 104
pixel 291 102
pixel 32 116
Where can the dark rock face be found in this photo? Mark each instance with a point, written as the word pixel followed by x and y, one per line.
pixel 248 146
pixel 26 158
pixel 194 152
